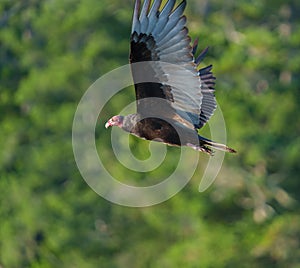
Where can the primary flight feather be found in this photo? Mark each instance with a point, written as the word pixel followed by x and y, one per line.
pixel 174 97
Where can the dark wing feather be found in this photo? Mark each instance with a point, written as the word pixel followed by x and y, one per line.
pixel 143 49
pixel 209 104
pixel 161 36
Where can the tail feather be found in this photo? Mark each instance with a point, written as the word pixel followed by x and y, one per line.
pixel 218 146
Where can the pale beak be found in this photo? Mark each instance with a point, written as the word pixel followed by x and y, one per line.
pixel 107 124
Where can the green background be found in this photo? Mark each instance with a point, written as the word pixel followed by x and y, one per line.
pixel 52 51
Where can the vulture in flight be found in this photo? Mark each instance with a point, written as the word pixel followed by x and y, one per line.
pixel 174 97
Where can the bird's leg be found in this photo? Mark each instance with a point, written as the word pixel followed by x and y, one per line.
pixel 201 148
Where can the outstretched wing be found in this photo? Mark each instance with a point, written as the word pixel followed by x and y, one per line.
pixel 159 35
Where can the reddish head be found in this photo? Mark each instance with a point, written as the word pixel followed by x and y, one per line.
pixel 116 120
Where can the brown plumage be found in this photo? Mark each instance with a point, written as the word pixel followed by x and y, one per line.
pixel 174 97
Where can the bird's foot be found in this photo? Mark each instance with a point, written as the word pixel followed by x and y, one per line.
pixel 202 148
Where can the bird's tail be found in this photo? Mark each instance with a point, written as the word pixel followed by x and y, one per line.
pixel 204 143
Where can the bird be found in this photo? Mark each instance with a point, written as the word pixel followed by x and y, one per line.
pixel 177 97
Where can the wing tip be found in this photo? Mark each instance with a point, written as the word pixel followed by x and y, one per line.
pixel 195 46
pixel 201 55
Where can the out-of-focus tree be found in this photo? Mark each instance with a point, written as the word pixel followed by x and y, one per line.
pixel 51 51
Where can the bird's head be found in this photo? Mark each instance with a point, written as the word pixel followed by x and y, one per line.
pixel 116 120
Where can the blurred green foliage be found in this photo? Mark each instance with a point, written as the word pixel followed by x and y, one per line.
pixel 51 51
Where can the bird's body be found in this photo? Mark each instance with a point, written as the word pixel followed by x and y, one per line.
pixel 174 97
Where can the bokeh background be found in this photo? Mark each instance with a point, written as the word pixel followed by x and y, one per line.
pixel 51 51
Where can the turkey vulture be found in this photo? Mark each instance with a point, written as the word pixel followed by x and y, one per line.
pixel 166 112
